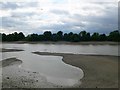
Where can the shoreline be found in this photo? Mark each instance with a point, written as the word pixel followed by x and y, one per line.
pixel 100 71
pixel 19 78
pixel 9 50
pixel 65 42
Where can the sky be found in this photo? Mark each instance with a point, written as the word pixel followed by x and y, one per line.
pixel 58 15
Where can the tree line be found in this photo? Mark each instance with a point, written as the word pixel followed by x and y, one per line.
pixel 60 36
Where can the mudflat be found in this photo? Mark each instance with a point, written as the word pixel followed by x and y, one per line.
pixel 9 50
pixel 14 77
pixel 99 71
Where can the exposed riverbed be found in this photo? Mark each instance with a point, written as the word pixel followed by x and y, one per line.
pixel 56 73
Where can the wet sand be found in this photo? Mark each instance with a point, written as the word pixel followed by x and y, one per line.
pixel 9 50
pixel 9 62
pixel 15 77
pixel 100 71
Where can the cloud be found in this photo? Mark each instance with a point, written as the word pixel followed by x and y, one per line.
pixel 55 15
pixel 12 5
pixel 60 12
pixel 8 5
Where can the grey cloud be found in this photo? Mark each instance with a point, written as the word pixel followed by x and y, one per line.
pixel 9 22
pixel 21 15
pixel 106 23
pixel 102 24
pixel 60 12
pixel 66 27
pixel 8 5
pixel 28 4
pixel 15 5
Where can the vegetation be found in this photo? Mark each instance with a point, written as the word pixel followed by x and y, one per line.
pixel 59 36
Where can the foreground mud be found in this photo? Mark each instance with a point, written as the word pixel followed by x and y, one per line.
pixel 100 71
pixel 14 76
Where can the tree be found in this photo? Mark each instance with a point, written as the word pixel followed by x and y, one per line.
pixel 3 37
pixel 72 37
pixel 88 37
pixel 10 37
pixel 47 36
pixel 0 37
pixel 60 35
pixel 95 37
pixel 114 36
pixel 75 38
pixel 102 37
pixel 41 37
pixel 15 35
pixel 21 36
pixel 54 37
pixel 65 37
pixel 82 35
pixel 32 37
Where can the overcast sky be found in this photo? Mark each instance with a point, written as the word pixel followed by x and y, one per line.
pixel 56 15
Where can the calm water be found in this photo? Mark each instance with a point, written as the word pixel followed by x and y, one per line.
pixel 52 67
pixel 76 49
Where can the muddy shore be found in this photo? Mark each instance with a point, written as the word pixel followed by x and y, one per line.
pixel 68 43
pixel 100 71
pixel 9 50
pixel 15 77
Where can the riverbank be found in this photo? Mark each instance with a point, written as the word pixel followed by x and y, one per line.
pixel 100 71
pixel 69 43
pixel 14 77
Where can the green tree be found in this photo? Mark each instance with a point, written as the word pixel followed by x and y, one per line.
pixel 15 36
pixel 95 37
pixel 82 35
pixel 114 36
pixel 102 37
pixel 21 36
pixel 41 37
pixel 65 37
pixel 10 37
pixel 88 37
pixel 4 37
pixel 75 38
pixel 60 35
pixel 32 37
pixel 47 36
pixel 0 37
pixel 70 36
